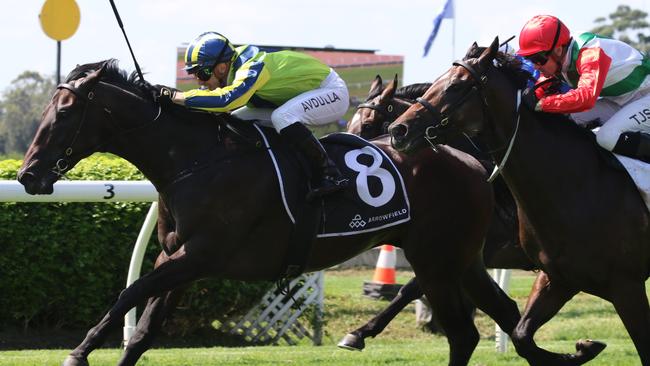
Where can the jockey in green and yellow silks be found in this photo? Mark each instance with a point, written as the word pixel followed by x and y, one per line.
pixel 286 88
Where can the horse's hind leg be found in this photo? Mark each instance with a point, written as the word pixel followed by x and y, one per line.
pixel 157 310
pixel 355 339
pixel 631 304
pixel 180 270
pixel 544 301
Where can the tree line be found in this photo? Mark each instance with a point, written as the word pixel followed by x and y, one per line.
pixel 22 103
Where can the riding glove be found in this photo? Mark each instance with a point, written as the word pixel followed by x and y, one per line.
pixel 530 100
pixel 164 94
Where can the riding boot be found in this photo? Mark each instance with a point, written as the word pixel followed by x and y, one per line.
pixel 635 145
pixel 326 177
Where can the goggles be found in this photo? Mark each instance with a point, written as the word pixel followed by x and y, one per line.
pixel 204 73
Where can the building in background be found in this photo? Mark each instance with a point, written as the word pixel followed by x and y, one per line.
pixel 357 67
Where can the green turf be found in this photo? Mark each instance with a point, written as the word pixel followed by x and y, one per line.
pixel 401 344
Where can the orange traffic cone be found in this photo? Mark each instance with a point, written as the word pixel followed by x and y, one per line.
pixel 383 284
pixel 385 269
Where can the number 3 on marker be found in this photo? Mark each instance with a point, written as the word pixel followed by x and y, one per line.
pixel 374 170
pixel 109 190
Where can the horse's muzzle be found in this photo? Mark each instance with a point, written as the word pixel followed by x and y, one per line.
pixel 34 185
pixel 398 134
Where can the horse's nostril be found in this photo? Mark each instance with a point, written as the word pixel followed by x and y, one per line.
pixel 24 176
pixel 398 130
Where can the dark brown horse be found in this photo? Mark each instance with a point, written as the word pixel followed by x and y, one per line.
pixel 217 218
pixel 581 217
pixel 501 249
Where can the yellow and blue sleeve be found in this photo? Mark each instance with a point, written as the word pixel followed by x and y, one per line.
pixel 248 79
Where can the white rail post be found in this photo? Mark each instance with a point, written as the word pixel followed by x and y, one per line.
pixel 502 277
pixel 136 265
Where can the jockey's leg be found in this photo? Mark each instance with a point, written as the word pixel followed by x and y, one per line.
pixel 635 145
pixel 626 132
pixel 325 104
pixel 326 176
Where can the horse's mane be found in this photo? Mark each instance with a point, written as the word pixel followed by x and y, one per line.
pixel 412 91
pixel 405 92
pixel 114 75
pixel 510 65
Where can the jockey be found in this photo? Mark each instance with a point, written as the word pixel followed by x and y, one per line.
pixel 609 81
pixel 287 88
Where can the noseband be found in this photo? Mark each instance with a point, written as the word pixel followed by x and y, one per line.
pixel 441 119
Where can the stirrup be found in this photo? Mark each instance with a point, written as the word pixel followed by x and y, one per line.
pixel 331 185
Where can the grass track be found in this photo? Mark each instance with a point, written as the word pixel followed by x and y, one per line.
pixel 584 317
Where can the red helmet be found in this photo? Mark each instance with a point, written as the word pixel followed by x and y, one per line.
pixel 542 34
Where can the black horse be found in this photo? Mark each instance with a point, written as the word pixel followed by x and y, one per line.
pixel 220 218
pixel 581 217
pixel 501 249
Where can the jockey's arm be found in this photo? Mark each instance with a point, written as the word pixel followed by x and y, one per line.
pixel 592 65
pixel 248 79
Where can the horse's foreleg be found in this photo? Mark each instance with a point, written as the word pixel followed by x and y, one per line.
pixel 178 271
pixel 355 339
pixel 544 301
pixel 157 310
pixel 454 314
pixel 489 297
pixel 631 304
pixel 441 283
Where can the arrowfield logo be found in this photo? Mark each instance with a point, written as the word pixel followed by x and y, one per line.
pixel 357 222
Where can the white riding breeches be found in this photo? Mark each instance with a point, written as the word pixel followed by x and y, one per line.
pixel 316 107
pixel 632 117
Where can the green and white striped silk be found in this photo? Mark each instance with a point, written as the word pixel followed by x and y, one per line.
pixel 627 73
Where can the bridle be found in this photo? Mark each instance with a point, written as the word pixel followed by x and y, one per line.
pixel 388 111
pixel 63 163
pixel 441 119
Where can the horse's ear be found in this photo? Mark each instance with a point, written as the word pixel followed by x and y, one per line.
pixel 488 55
pixel 471 51
pixel 91 80
pixel 389 91
pixel 376 87
pixel 97 74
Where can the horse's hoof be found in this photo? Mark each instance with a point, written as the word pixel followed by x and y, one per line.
pixel 588 349
pixel 75 361
pixel 352 342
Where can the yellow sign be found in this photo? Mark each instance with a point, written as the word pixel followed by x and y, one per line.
pixel 59 18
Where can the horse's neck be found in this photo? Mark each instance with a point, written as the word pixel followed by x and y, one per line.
pixel 164 149
pixel 549 167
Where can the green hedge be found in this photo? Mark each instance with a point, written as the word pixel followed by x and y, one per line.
pixel 63 264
